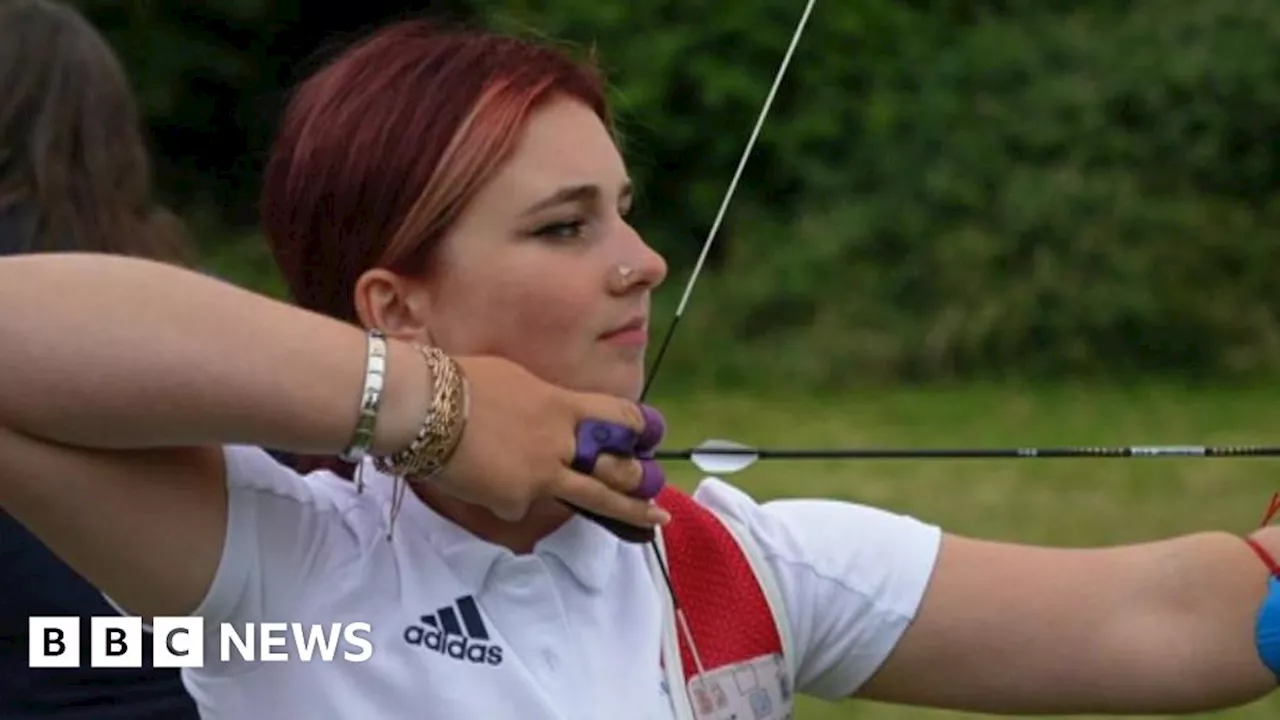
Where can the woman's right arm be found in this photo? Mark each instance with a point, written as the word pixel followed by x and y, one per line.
pixel 118 353
pixel 121 378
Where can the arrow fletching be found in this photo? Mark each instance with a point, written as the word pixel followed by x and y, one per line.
pixel 725 457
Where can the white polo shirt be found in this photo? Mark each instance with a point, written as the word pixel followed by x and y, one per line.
pixel 570 631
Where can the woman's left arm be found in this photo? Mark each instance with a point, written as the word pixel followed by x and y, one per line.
pixel 1162 627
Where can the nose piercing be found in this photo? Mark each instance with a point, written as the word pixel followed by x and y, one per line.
pixel 625 272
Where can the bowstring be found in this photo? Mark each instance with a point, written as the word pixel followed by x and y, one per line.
pixel 728 198
pixel 680 616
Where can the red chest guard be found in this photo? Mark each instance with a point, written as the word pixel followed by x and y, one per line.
pixel 734 614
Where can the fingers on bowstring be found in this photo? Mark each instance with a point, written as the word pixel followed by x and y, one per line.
pixel 612 460
pixel 592 494
pixel 640 419
pixel 641 478
pixel 655 428
pixel 652 479
pixel 607 424
pixel 619 426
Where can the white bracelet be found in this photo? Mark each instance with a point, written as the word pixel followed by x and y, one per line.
pixel 375 373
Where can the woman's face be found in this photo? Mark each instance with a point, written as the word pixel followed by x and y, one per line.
pixel 543 269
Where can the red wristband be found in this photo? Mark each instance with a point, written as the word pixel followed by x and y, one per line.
pixel 1263 554
pixel 1267 558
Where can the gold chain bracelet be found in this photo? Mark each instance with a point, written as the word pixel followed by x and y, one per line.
pixel 441 430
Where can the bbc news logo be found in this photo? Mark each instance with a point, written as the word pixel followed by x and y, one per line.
pixel 178 642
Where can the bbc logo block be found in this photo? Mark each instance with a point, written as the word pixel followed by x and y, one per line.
pixel 115 641
pixel 179 642
pixel 53 642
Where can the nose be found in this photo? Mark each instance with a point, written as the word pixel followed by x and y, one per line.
pixel 650 266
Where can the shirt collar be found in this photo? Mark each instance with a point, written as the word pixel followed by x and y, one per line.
pixel 589 552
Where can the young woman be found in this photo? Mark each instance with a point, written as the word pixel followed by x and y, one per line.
pixel 462 194
pixel 74 175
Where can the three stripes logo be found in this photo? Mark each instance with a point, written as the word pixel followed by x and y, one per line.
pixel 442 632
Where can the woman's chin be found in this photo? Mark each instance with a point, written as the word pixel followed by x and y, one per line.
pixel 629 387
pixel 621 380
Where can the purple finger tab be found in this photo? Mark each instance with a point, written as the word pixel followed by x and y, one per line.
pixel 652 480
pixel 596 437
pixel 655 427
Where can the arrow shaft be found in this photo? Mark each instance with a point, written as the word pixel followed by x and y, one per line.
pixel 1018 453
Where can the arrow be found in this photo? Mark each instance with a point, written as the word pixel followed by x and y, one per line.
pixel 725 457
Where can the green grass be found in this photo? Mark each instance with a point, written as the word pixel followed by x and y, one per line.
pixel 1066 502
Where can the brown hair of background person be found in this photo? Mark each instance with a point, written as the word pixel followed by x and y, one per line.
pixel 74 176
pixel 74 168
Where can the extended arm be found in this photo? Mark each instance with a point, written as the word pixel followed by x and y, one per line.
pixel 1162 627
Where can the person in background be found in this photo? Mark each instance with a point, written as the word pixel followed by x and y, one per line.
pixel 74 176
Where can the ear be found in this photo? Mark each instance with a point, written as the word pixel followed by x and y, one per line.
pixel 397 305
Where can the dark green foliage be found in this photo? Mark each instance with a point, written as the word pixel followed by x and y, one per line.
pixel 944 190
pixel 952 190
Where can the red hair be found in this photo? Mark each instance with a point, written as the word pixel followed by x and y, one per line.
pixel 382 149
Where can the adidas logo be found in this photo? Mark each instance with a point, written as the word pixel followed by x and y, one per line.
pixel 441 632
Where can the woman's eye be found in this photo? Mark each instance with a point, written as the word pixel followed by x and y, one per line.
pixel 568 229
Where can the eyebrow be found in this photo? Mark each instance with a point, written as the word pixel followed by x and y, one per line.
pixel 574 194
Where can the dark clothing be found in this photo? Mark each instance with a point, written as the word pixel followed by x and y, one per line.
pixel 34 581
pixel 15 236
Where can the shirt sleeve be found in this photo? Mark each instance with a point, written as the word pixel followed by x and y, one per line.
pixel 852 578
pixel 284 533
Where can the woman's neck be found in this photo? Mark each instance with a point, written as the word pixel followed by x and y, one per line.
pixel 520 537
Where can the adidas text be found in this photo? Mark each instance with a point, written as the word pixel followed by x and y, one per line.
pixel 456 631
